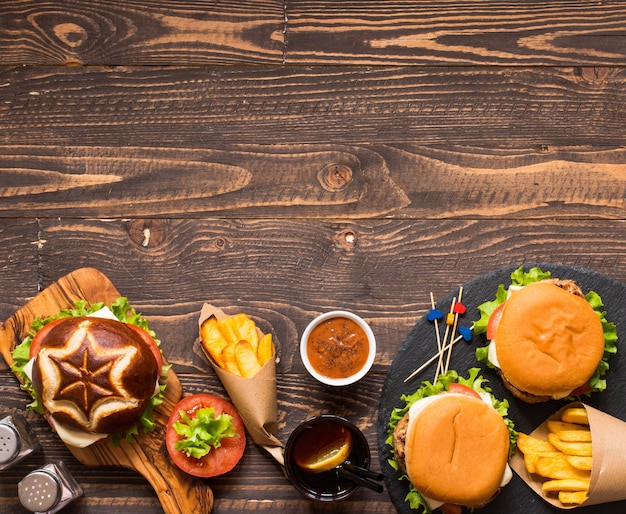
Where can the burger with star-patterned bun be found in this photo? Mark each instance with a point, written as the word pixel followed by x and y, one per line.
pixel 93 375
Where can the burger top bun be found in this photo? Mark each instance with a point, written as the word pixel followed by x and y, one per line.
pixel 548 341
pixel 95 374
pixel 457 450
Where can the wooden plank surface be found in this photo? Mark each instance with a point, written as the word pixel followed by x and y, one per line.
pixel 316 181
pixel 457 33
pixel 141 32
pixel 284 158
pixel 200 107
pixel 304 32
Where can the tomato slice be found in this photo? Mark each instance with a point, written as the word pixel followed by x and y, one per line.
pixel 463 389
pixel 449 508
pixel 583 389
pixel 151 344
pixel 35 344
pixel 494 319
pixel 219 460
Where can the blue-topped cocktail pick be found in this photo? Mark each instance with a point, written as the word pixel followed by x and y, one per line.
pixel 466 333
pixel 434 314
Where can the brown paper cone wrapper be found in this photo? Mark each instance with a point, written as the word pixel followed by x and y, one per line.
pixel 608 472
pixel 254 398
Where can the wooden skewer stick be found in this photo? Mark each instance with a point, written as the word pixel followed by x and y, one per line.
pixel 433 358
pixel 432 304
pixel 454 328
pixel 445 340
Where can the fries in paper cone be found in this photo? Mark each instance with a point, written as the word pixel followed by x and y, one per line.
pixel 244 360
pixel 576 458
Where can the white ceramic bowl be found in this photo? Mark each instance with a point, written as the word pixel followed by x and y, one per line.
pixel 338 381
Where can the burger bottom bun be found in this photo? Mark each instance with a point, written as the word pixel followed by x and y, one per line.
pixel 549 341
pixel 519 393
pixel 457 450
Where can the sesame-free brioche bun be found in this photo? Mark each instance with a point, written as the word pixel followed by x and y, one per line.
pixel 96 375
pixel 548 342
pixel 457 450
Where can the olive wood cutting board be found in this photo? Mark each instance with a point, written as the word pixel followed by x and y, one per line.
pixel 177 491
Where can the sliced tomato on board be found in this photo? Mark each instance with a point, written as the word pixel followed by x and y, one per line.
pixel 219 460
pixel 494 319
pixel 463 389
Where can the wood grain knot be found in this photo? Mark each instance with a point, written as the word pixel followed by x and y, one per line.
pixel 346 239
pixel 70 34
pixel 335 177
pixel 147 233
pixel 594 74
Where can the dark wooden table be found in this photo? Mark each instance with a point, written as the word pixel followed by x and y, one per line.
pixel 284 158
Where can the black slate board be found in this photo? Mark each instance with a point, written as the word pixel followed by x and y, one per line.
pixel 420 345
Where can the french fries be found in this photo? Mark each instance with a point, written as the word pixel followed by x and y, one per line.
pixel 532 445
pixel 575 415
pixel 564 461
pixel 558 467
pixel 246 359
pixel 580 462
pixel 581 449
pixel 234 344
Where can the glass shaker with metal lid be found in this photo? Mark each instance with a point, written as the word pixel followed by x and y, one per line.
pixel 17 440
pixel 48 489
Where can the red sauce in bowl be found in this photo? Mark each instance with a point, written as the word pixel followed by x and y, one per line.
pixel 337 348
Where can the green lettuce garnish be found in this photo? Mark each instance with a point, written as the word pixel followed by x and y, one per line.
pixel 203 432
pixel 123 312
pixel 442 384
pixel 519 277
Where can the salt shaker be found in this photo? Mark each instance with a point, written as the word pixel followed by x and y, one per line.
pixel 48 489
pixel 17 440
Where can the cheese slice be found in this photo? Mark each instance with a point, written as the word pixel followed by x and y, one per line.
pixel 76 438
pixel 492 354
pixel 105 312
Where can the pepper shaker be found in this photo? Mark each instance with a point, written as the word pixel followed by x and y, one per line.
pixel 48 489
pixel 17 440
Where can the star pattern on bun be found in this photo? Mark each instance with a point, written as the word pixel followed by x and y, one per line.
pixel 85 371
pixel 95 375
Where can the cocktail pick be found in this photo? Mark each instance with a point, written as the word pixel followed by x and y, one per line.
pixel 449 323
pixel 458 308
pixel 466 332
pixel 436 315
pixel 433 358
